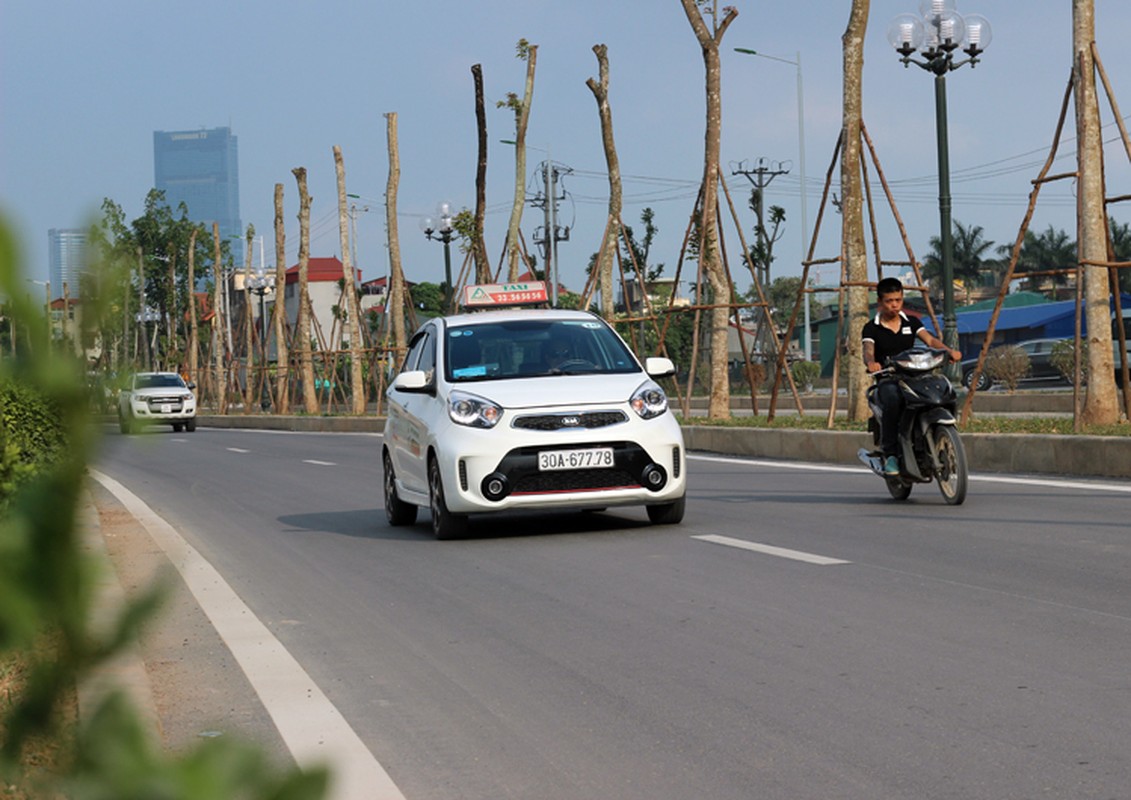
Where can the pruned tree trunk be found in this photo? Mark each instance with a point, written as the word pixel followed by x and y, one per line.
pixel 306 362
pixel 218 348
pixel 521 120
pixel 1100 405
pixel 282 351
pixel 710 253
pixel 853 246
pixel 249 380
pixel 600 89
pixel 349 287
pixel 193 354
pixel 478 244
pixel 395 304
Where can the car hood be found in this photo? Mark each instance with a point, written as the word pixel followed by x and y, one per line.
pixel 563 391
pixel 161 391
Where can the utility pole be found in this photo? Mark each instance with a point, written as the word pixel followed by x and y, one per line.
pixel 551 233
pixel 760 177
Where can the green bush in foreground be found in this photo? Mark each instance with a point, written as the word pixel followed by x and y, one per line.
pixel 46 596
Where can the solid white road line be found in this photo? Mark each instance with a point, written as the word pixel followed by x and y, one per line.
pixel 770 550
pixel 313 729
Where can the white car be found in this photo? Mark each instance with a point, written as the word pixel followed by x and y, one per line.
pixel 528 409
pixel 157 397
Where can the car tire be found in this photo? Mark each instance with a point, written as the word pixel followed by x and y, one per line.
pixel 178 427
pixel 984 380
pixel 667 513
pixel 445 524
pixel 190 425
pixel 397 511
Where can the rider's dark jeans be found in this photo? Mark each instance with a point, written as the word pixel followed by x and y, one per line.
pixel 890 400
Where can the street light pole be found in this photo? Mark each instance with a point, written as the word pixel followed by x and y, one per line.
pixel 935 35
pixel 441 229
pixel 261 283
pixel 801 171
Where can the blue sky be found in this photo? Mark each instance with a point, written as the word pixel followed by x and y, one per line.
pixel 83 86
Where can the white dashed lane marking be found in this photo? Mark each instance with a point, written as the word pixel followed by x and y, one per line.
pixel 770 550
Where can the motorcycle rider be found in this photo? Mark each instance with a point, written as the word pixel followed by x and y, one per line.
pixel 889 333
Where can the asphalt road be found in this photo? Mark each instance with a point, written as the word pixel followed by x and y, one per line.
pixel 868 649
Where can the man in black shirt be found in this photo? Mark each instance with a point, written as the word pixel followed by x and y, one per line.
pixel 888 334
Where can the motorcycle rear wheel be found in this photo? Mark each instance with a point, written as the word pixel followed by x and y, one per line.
pixel 952 473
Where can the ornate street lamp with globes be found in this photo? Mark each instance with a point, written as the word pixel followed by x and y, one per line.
pixel 441 229
pixel 261 284
pixel 929 40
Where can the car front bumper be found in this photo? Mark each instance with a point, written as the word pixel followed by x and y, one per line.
pixel 497 470
pixel 162 411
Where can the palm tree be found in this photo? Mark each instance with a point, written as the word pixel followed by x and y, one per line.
pixel 968 254
pixel 1121 247
pixel 1050 249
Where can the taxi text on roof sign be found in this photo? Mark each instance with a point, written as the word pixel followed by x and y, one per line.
pixel 505 294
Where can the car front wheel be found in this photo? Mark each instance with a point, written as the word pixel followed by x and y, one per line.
pixel 190 425
pixel 445 524
pixel 667 513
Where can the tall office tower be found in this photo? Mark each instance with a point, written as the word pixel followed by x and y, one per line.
pixel 201 169
pixel 66 259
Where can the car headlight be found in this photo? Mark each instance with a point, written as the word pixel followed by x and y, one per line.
pixel 649 400
pixel 475 412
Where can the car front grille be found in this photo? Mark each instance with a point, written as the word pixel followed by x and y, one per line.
pixel 156 402
pixel 574 481
pixel 557 422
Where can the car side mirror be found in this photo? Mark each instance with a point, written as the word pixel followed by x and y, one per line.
pixel 413 380
pixel 191 384
pixel 659 367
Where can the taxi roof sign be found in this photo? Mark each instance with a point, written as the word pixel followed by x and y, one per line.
pixel 496 295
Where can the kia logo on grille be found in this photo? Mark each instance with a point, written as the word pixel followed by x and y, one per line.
pixel 571 422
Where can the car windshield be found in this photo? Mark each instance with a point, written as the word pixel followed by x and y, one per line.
pixel 158 382
pixel 534 348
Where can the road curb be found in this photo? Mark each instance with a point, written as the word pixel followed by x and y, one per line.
pixel 1094 456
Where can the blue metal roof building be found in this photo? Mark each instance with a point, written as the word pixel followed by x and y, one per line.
pixel 1055 320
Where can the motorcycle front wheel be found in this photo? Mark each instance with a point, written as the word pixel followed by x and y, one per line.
pixel 951 457
pixel 898 488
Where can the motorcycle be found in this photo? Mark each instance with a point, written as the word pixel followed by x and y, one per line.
pixel 929 447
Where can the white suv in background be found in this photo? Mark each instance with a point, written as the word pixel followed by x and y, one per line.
pixel 157 397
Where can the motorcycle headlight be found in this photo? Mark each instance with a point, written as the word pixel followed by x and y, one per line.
pixel 920 360
pixel 649 400
pixel 475 412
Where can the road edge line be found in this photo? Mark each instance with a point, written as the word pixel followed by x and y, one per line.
pixel 310 725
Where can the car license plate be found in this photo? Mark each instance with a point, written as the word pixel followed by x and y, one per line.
pixel 590 458
pixel 166 408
